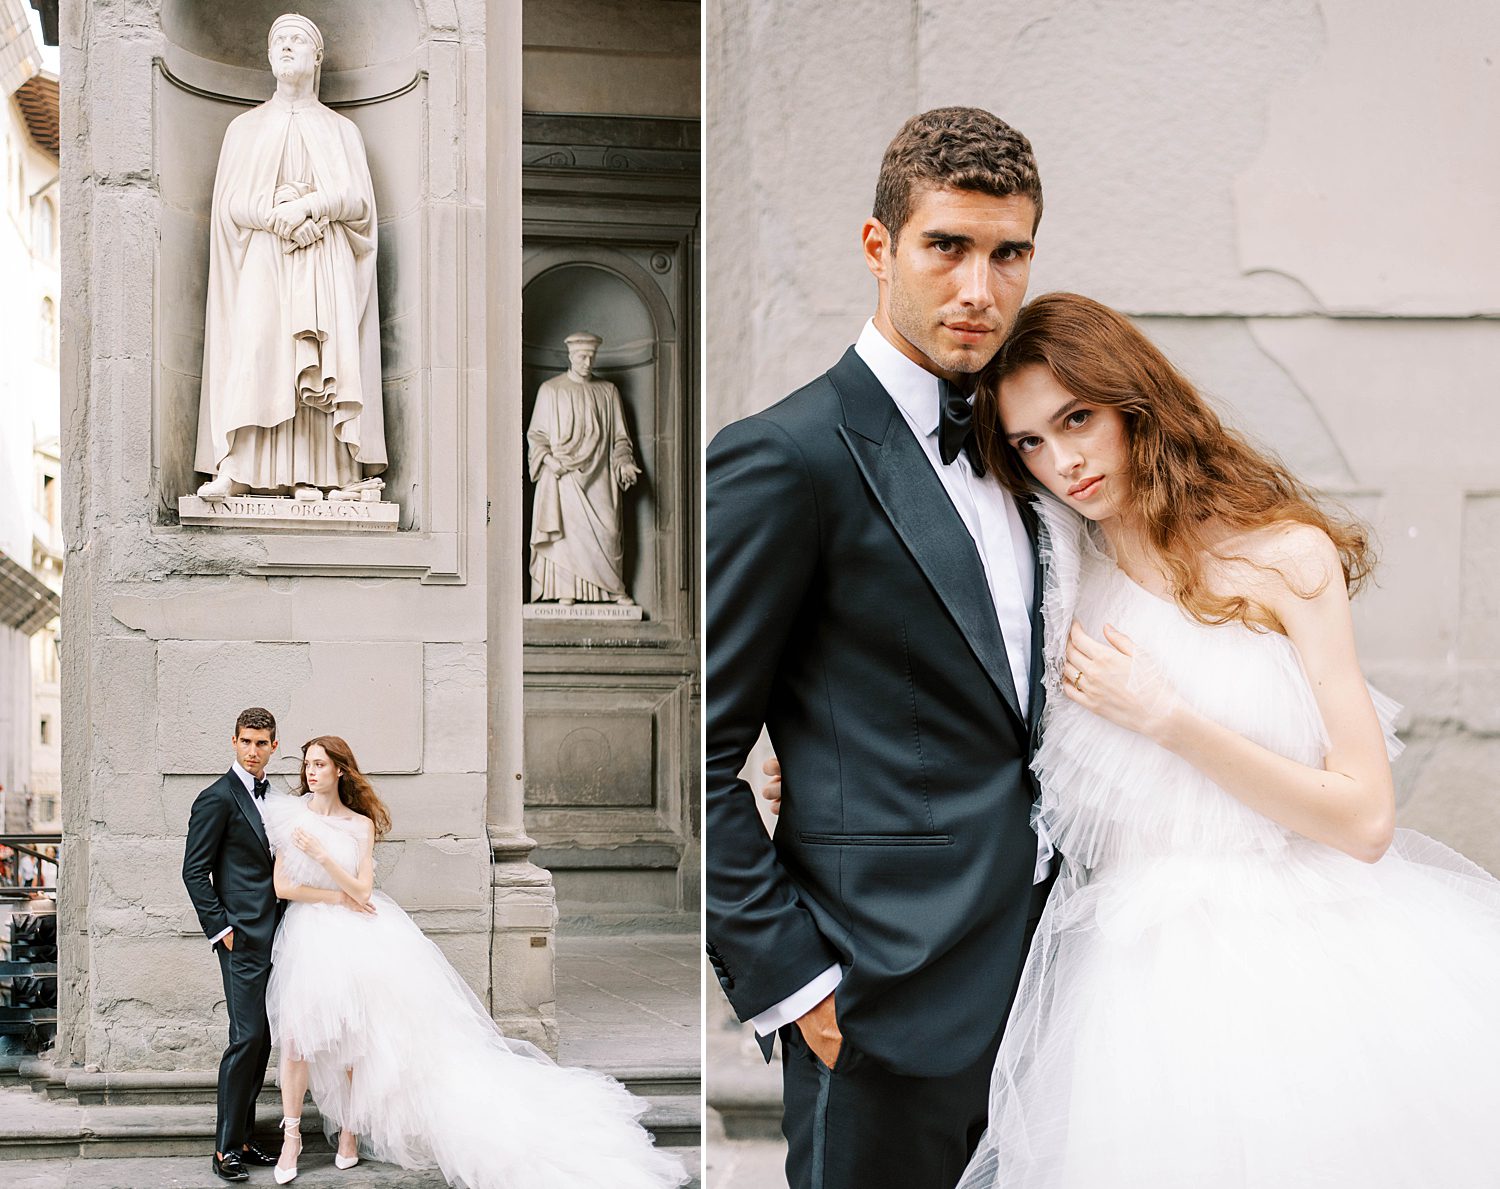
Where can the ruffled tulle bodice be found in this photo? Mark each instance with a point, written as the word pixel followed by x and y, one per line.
pixel 340 836
pixel 1110 794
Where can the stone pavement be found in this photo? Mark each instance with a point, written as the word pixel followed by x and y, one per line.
pixel 193 1172
pixel 743 1163
pixel 629 1001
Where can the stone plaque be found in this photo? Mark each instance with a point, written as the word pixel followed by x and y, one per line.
pixel 581 611
pixel 283 513
pixel 589 760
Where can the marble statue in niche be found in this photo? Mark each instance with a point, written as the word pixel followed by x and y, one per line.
pixel 291 397
pixel 581 459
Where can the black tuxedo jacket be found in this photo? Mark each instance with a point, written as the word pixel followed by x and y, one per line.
pixel 848 612
pixel 227 866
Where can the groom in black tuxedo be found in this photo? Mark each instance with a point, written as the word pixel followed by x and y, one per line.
pixel 873 602
pixel 228 870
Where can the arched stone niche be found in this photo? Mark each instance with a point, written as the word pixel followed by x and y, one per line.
pixel 607 293
pixel 212 68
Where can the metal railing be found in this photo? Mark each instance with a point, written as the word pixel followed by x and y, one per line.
pixel 28 938
pixel 27 844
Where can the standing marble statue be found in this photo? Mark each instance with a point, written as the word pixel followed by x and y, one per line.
pixel 581 460
pixel 291 354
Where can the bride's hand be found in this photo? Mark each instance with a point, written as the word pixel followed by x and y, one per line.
pixel 309 845
pixel 1118 681
pixel 771 790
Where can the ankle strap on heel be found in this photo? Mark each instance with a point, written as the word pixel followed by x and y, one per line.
pixel 291 1126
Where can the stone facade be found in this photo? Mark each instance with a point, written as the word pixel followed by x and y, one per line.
pixel 610 145
pixel 405 642
pixel 612 57
pixel 29 259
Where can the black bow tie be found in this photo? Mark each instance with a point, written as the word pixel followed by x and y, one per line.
pixel 956 428
pixel 260 788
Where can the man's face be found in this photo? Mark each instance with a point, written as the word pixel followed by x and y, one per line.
pixel 254 748
pixel 294 57
pixel 953 281
pixel 581 359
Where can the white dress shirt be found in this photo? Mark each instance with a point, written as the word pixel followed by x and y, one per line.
pixel 260 807
pixel 990 514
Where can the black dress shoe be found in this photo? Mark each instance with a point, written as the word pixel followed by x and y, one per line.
pixel 230 1167
pixel 251 1154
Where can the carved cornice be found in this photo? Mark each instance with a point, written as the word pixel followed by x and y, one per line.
pixel 609 145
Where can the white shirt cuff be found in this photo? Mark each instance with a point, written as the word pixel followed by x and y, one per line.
pixel 217 937
pixel 798 1003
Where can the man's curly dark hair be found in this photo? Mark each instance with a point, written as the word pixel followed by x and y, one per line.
pixel 958 148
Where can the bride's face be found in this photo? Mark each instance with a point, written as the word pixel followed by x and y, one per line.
pixel 319 773
pixel 1077 451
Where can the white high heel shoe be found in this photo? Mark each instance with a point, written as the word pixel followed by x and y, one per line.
pixel 341 1161
pixel 291 1133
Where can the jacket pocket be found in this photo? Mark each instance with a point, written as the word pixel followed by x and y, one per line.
pixel 874 839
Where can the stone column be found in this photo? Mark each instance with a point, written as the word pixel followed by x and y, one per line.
pixel 525 912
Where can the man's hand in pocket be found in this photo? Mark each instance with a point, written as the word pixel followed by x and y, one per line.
pixel 820 1029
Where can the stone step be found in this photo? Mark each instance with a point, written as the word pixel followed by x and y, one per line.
pixel 656 1081
pixel 33 1126
pixel 607 887
pixel 315 1169
pixel 200 1086
pixel 592 918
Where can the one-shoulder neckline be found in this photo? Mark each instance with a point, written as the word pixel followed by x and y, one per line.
pixel 1172 604
pixel 330 817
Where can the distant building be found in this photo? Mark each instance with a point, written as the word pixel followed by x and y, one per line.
pixel 31 551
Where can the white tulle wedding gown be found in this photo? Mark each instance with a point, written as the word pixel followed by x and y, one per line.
pixel 1212 1001
pixel 435 1084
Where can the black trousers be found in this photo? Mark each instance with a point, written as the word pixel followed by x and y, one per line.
pixel 860 1126
pixel 242 1071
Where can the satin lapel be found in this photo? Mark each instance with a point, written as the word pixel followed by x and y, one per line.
pixel 902 481
pixel 1038 692
pixel 246 803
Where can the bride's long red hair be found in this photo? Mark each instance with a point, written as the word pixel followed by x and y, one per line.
pixel 1191 479
pixel 355 790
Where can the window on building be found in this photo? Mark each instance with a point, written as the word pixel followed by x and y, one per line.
pixel 49 331
pixel 43 228
pixel 47 648
pixel 45 734
pixel 49 509
pixel 14 178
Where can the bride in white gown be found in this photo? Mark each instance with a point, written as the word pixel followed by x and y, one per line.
pixel 1245 977
pixel 396 1048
